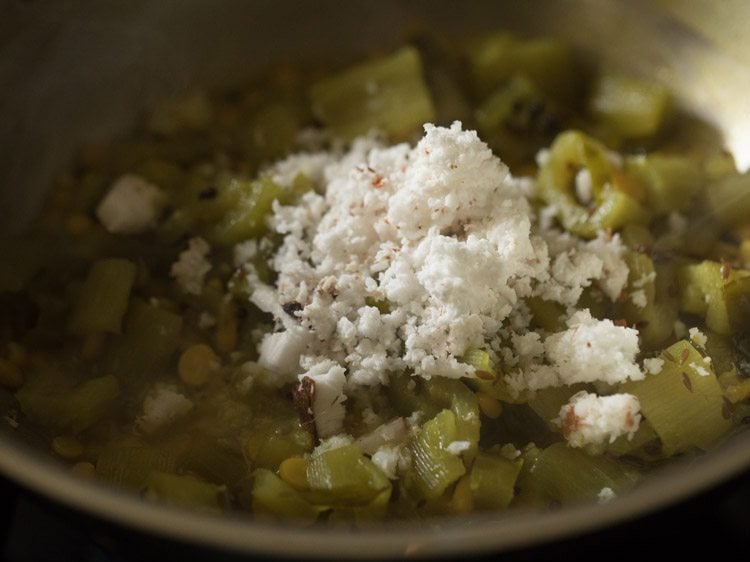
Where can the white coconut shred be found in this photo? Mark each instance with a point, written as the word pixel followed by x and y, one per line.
pixel 405 257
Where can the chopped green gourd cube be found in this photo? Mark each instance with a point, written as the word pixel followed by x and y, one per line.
pixel 103 298
pixel 641 275
pixel 492 480
pixel 163 173
pixel 714 290
pixel 434 467
pixel 374 510
pixel 548 315
pixel 487 379
pixel 150 339
pixel 625 445
pixel 247 205
pixel 721 351
pixel 656 320
pixel 640 292
pixel 387 94
pixel 184 489
pixel 344 476
pixel 279 445
pixel 278 433
pixel 631 107
pixel 684 402
pixel 608 200
pixel 273 496
pixel 407 395
pixel 273 130
pixel 561 473
pixel 516 120
pixel 131 466
pixel 671 182
pixel 52 402
pixel 736 296
pixel 463 403
pixel 479 359
pixel 547 402
pixel 547 63
pixel 729 199
pixel 215 462
pixel 637 237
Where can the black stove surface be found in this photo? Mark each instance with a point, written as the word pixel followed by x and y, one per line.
pixel 32 528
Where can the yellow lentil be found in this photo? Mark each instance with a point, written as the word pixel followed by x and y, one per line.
pixel 85 469
pixel 197 364
pixel 226 328
pixel 462 502
pixel 67 447
pixel 293 471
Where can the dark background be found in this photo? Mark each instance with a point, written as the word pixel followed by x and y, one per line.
pixel 718 522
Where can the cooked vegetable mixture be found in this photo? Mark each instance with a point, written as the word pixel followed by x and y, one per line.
pixel 325 298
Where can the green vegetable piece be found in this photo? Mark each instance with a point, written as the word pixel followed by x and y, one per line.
pixel 487 379
pixel 641 275
pixel 656 320
pixel 73 409
pixel 434 468
pixel 736 296
pixel 273 130
pixel 388 94
pixel 719 165
pixel 131 466
pixel 714 290
pixel 148 344
pixel 192 111
pixel 492 480
pixel 637 237
pixel 721 350
pixel 373 511
pixel 546 402
pixel 640 292
pixel 247 217
pixel 633 446
pixel 548 315
pixel 407 395
pixel 103 298
pixel 684 402
pixel 247 205
pixel 729 199
pixel 344 476
pixel 185 490
pixel 271 495
pixel 563 474
pixel 277 434
pixel 280 445
pixel 632 108
pixel 463 403
pixel 609 201
pixel 547 63
pixel 671 182
pixel 516 120
pixel 215 462
pixel 163 173
pixel 479 359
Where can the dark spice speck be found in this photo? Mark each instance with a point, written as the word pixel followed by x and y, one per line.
pixel 292 308
pixel 208 193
